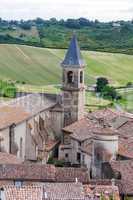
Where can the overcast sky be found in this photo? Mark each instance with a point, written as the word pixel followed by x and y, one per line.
pixel 104 10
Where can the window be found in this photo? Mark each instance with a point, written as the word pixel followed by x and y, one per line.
pixel 18 183
pixel 83 159
pixel 21 148
pixel 79 143
pixel 70 77
pixel 11 138
pixel 66 155
pixel 78 157
pixel 81 77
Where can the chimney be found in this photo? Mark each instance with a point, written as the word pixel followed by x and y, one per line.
pixel 76 180
pixel 2 194
pixel 45 195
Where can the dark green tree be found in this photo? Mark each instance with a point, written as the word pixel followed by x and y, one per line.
pixel 101 83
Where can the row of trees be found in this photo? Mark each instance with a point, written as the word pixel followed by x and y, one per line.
pixel 70 23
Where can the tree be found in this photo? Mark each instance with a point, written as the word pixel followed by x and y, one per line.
pixel 109 92
pixel 101 83
pixel 72 23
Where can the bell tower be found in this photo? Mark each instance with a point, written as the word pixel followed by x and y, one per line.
pixel 73 84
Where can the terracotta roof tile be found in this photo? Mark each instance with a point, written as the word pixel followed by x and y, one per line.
pixel 126 130
pixel 64 191
pixel 105 131
pixel 50 144
pixel 125 167
pixel 6 158
pixel 126 147
pixel 27 172
pixel 105 190
pixel 39 172
pixel 84 126
pixel 23 193
pixel 70 174
pixel 104 113
pixel 12 115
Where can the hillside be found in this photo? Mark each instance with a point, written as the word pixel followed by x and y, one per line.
pixel 53 33
pixel 39 66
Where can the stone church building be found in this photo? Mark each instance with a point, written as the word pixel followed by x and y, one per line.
pixel 37 126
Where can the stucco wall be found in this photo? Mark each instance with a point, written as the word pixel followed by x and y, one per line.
pixel 20 133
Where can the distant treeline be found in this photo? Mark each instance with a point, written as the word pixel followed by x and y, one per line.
pixel 93 35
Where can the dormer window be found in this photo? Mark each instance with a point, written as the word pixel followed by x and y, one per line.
pixel 18 183
pixel 70 77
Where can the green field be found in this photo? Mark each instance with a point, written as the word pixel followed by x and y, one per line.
pixel 38 66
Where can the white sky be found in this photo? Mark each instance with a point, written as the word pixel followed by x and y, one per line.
pixel 104 10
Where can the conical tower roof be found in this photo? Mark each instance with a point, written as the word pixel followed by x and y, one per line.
pixel 73 56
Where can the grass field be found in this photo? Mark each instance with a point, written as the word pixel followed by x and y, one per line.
pixel 38 66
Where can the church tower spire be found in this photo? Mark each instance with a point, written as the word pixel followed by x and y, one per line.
pixel 73 57
pixel 73 83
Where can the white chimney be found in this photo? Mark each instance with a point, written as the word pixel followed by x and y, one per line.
pixel 45 195
pixel 76 180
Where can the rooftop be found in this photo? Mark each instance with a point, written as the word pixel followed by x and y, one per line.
pixel 64 191
pixel 60 191
pixel 84 126
pixel 125 167
pixel 6 158
pixel 42 173
pixel 126 147
pixel 34 103
pixel 12 115
pixel 73 56
pixel 23 193
pixel 106 190
pixel 70 174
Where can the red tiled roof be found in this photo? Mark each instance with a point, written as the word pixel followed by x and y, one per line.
pixel 126 130
pixel 50 191
pixel 105 131
pixel 70 174
pixel 125 167
pixel 39 172
pixel 50 144
pixel 84 126
pixel 64 191
pixel 11 115
pixel 105 190
pixel 6 158
pixel 23 193
pixel 126 147
pixel 104 113
pixel 27 172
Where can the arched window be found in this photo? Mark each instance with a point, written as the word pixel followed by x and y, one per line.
pixel 70 77
pixel 81 77
pixel 21 147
